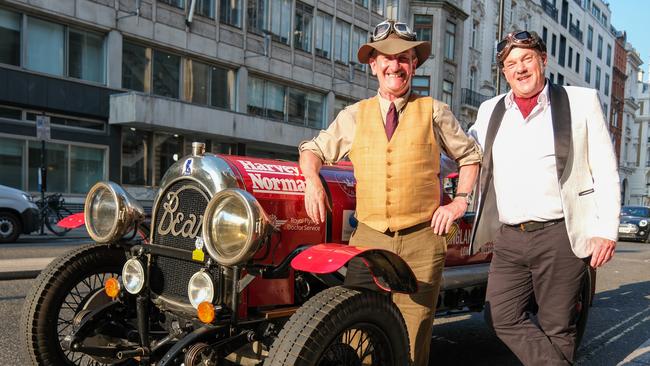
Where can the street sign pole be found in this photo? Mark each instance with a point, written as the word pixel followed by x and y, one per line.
pixel 42 133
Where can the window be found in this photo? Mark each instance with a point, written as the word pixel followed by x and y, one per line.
pixel 340 104
pixel 363 3
pixel 267 99
pixel 472 79
pixel 53 48
pixel 342 42
pixel 229 11
pixel 166 149
pixel 305 108
pixel 359 37
pixel 12 113
pixel 176 3
pixel 570 60
pixel 422 25
pixel 67 121
pixel 9 38
pixel 587 70
pixel 302 33
pixel 598 77
pixel 450 40
pixel 553 44
pixel 45 43
pixel 447 92
pixel 166 74
pixel 11 162
pixel 86 55
pixel 606 84
pixel 86 166
pixel 205 8
pixel 136 67
pixel 134 156
pixel 270 16
pixel 208 84
pixel 323 34
pixel 475 30
pixel 562 54
pixel 560 79
pixel 420 85
pixel 577 62
pixel 552 77
pixel 545 35
pixel 609 55
pixel 599 51
pixel 377 6
pixel 590 37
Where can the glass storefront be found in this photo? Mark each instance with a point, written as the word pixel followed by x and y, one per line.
pixel 11 162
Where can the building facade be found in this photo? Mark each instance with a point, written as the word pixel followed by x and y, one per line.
pixel 633 188
pixel 639 183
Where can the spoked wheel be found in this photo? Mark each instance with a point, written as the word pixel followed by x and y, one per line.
pixel 340 327
pixel 69 288
pixel 53 216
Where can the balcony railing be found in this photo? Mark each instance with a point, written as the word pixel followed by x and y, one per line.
pixel 576 32
pixel 550 9
pixel 472 98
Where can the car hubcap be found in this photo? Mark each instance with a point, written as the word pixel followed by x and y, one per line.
pixel 6 227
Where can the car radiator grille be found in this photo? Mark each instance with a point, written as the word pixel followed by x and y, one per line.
pixel 169 276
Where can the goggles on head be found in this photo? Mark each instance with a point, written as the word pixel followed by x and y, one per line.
pixel 523 39
pixel 383 29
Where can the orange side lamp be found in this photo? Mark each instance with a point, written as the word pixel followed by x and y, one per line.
pixel 112 287
pixel 205 312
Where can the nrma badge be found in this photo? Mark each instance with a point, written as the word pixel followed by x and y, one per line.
pixel 187 167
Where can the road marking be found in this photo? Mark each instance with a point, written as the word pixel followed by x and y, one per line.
pixel 24 264
pixel 615 328
pixel 639 356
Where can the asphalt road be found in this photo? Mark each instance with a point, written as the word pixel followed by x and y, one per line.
pixel 619 321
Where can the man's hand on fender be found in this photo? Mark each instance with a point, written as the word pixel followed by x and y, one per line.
pixel 316 202
pixel 445 215
pixel 603 251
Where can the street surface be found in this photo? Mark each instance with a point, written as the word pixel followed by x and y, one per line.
pixel 618 332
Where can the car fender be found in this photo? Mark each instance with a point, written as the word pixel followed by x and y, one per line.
pixel 389 271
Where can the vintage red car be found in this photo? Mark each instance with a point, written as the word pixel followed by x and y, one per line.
pixel 230 270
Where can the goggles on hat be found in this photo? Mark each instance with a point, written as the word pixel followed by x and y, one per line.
pixel 383 29
pixel 522 39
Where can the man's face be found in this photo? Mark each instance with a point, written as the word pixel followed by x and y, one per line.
pixel 394 72
pixel 524 71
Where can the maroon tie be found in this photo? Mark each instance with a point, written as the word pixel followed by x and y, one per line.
pixel 391 121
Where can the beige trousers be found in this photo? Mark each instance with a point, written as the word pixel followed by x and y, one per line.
pixel 424 252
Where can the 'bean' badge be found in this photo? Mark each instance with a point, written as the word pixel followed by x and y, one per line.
pixel 197 254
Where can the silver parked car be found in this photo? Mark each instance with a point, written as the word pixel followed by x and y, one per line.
pixel 18 214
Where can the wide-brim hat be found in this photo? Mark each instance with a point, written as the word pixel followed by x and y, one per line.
pixel 392 45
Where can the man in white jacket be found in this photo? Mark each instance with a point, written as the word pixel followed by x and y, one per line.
pixel 549 202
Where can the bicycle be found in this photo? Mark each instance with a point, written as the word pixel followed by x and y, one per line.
pixel 51 211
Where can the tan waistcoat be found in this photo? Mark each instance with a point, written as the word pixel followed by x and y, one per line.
pixel 397 181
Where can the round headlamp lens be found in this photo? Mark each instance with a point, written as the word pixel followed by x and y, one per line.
pixel 643 222
pixel 231 226
pixel 133 276
pixel 200 289
pixel 103 210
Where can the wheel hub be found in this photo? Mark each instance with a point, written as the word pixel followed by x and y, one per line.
pixel 6 227
pixel 340 354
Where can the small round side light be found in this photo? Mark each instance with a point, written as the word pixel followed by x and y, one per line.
pixel 205 312
pixel 112 287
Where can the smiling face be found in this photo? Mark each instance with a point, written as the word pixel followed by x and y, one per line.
pixel 524 71
pixel 394 72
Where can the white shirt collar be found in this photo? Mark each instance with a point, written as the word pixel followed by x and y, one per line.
pixel 542 99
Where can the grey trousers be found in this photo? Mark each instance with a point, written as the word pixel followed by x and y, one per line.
pixel 535 267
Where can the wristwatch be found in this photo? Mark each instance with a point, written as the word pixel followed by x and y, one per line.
pixel 464 196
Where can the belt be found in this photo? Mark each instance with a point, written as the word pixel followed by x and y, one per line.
pixel 408 230
pixel 529 226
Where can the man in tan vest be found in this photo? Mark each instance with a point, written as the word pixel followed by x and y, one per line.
pixel 394 141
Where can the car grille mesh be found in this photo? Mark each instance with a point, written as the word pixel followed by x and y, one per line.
pixel 169 276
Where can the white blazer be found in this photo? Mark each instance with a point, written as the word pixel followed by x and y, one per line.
pixel 586 165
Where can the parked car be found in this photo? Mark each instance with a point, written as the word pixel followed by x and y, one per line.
pixel 18 214
pixel 233 270
pixel 635 224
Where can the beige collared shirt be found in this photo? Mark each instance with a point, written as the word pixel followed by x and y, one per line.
pixel 334 143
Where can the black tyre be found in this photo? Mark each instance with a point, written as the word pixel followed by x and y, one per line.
pixel 54 216
pixel 10 227
pixel 69 285
pixel 343 326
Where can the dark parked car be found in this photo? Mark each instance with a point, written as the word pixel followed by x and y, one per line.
pixel 635 223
